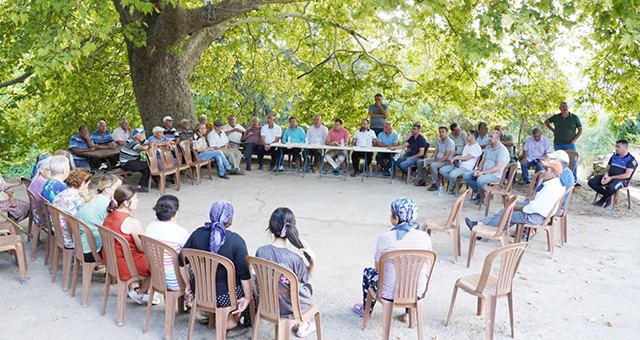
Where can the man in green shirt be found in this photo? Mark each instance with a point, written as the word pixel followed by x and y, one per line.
pixel 566 131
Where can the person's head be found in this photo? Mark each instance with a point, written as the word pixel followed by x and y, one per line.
pixel 43 167
pixel 102 126
pixel 217 125
pixel 231 120
pixel 415 129
pixel 622 147
pixel 377 98
pixel 455 129
pixel 166 208
pixel 293 122
pixel 124 197
pixel 364 124
pixel 158 132
pixel 404 210
pixel 106 186
pixel 564 108
pixel 561 156
pixel 442 132
pixel 387 128
pixel 185 124
pixel 537 134
pixel 167 122
pixel 124 124
pixel 317 120
pixel 221 218
pixel 500 129
pixel 472 136
pixel 282 224
pixel 494 138
pixel 553 169
pixel 201 129
pixel 255 122
pixel 138 135
pixel 203 119
pixel 337 125
pixel 483 128
pixel 83 129
pixel 59 167
pixel 271 119
pixel 79 179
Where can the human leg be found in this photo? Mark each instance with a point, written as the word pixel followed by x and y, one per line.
pixel 329 158
pixel 486 179
pixel 435 168
pixel 472 182
pixel 453 176
pixel 525 170
pixel 248 153
pixel 141 167
pixel 595 183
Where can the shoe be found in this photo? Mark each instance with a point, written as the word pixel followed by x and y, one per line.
pixel 353 174
pixel 143 189
pixel 475 201
pixel 577 185
pixel 260 167
pixel 224 176
pixel 358 308
pixel 281 168
pixel 233 171
pixel 470 224
pixel 271 169
pixel 433 187
pixel 156 299
pixel 336 172
pixel 238 330
pixel 607 202
pixel 600 202
pixel 136 296
pixel 451 192
pixel 420 183
pixel 248 168
pixel 306 328
pixel 527 182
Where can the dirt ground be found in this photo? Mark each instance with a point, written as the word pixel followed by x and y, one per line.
pixel 588 290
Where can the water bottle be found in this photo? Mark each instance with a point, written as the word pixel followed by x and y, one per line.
pixel 289 140
pixel 306 140
pixel 342 142
pixel 441 191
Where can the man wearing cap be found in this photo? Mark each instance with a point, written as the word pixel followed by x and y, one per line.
pixel 158 137
pixel 566 177
pixel 534 151
pixel 234 132
pixel 122 133
pixel 537 209
pixel 185 131
pixel 169 131
pixel 617 174
pixel 271 133
pixel 130 158
pixel 218 141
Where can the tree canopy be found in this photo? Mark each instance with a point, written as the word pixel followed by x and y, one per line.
pixel 66 63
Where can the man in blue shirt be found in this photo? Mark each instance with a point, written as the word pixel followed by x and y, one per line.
pixel 386 139
pixel 293 134
pixel 617 174
pixel 102 139
pixel 79 144
pixel 416 147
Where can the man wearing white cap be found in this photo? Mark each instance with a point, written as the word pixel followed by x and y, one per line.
pixel 566 177
pixel 169 131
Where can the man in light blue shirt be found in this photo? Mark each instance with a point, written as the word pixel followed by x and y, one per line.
pixel 386 138
pixel 293 134
pixel 534 151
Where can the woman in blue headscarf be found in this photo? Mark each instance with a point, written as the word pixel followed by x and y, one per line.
pixel 405 234
pixel 216 237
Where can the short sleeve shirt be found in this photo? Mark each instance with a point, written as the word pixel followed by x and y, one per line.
pixel 78 142
pixel 511 149
pixel 459 142
pixel 342 136
pixel 252 135
pixel 443 147
pixel 378 122
pixel 619 165
pixel 120 135
pixel 415 143
pixel 317 135
pixel 493 156
pixel 365 138
pixel 156 140
pixel 388 139
pixel 483 140
pixel 270 134
pixel 217 139
pixel 565 129
pixel 474 150
pixel 296 136
pixel 235 136
pixel 98 139
pixel 170 133
pixel 536 149
pixel 52 188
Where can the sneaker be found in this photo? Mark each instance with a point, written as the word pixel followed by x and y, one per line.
pixel 607 202
pixel 358 308
pixel 281 168
pixel 433 187
pixel 248 168
pixel 470 224
pixel 224 176
pixel 233 171
pixel 336 172
pixel 136 296
pixel 306 328
pixel 156 299
pixel 420 183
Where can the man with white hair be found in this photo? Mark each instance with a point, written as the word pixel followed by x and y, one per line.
pixel 234 132
pixel 271 133
pixel 59 168
pixel 122 133
pixel 316 134
pixel 218 140
pixel 204 120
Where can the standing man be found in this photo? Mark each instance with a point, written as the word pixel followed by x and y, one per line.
pixel 616 175
pixel 122 133
pixel 386 139
pixel 566 131
pixel 495 158
pixel 483 136
pixel 79 144
pixel 271 133
pixel 416 146
pixel 364 138
pixel 338 136
pixel 169 131
pixel 458 137
pixel 251 140
pixel 218 141
pixel 316 134
pixel 378 113
pixel 293 134
pixel 442 156
pixel 234 132
pixel 534 151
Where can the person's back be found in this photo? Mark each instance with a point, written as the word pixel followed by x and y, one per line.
pixel 174 236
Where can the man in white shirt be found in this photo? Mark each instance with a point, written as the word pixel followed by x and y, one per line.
pixel 316 134
pixel 271 133
pixel 234 132
pixel 536 210
pixel 218 141
pixel 363 138
pixel 122 133
pixel 463 163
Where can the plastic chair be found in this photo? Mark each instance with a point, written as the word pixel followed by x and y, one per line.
pixel 154 167
pixel 193 160
pixel 37 208
pixel 493 233
pixel 50 242
pixel 536 180
pixel 450 226
pixel 67 254
pixel 11 241
pixel 27 183
pixel 407 294
pixel 487 288
pixel 561 215
pixel 268 275
pixel 156 252
pixel 75 225
pixel 175 156
pixel 573 158
pixel 109 240
pixel 616 196
pixel 502 188
pixel 547 225
pixel 205 265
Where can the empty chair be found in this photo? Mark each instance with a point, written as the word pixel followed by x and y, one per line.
pixel 408 264
pixel 487 288
pixel 450 226
pixel 157 167
pixel 11 241
pixel 80 258
pixel 156 252
pixel 269 276
pixel 500 232
pixel 191 158
pixel 39 225
pixel 59 247
pixel 502 188
pixel 179 163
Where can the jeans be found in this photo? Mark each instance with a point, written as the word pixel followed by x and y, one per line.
pixel 571 147
pixel 250 149
pixel 452 173
pixel 477 183
pixel 525 168
pixel 404 163
pixel 517 217
pixel 219 157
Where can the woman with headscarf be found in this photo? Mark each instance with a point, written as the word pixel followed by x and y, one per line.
pixel 405 234
pixel 216 237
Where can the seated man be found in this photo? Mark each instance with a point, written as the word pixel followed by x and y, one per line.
pixel 483 136
pixel 293 134
pixel 102 139
pixel 158 137
pixel 218 141
pixel 316 134
pixel 122 133
pixel 386 139
pixel 251 140
pixel 534 151
pixel 338 136
pixel 168 130
pixel 458 137
pixel 495 158
pixel 132 158
pixel 617 174
pixel 234 132
pixel 463 163
pixel 566 177
pixel 271 133
pixel 442 155
pixel 507 141
pixel 185 131
pixel 416 146
pixel 204 120
pixel 535 211
pixel 79 144
pixel 364 138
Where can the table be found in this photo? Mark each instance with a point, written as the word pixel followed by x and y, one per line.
pixel 104 153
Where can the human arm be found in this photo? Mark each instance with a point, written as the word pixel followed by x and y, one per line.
pixel 445 157
pixel 575 138
pixel 547 123
pixel 243 302
pixel 311 256
pixel 133 227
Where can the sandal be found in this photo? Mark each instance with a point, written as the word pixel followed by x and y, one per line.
pixel 358 308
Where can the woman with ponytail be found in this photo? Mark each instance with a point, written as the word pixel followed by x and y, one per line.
pixel 216 237
pixel 282 226
pixel 405 234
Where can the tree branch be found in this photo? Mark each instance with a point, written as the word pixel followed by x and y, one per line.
pixel 19 79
